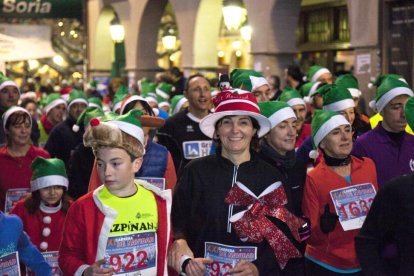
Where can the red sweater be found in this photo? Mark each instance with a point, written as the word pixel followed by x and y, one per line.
pixel 336 248
pixel 16 172
pixel 305 132
pixel 34 225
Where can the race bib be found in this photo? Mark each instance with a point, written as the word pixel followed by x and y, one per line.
pixel 158 182
pixel 226 257
pixel 9 264
pixel 51 257
pixel 352 204
pixel 132 254
pixel 12 196
pixel 196 149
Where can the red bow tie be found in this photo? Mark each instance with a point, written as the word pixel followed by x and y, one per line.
pixel 252 224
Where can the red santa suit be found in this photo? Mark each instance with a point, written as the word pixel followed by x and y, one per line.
pixel 87 229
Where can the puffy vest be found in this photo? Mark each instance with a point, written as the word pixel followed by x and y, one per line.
pixel 155 161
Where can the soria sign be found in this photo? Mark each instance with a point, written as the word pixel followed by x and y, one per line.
pixel 41 8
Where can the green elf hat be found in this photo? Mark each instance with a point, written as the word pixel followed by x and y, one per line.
pixel 110 131
pixel 95 102
pixel 164 90
pixel 147 88
pixel 152 98
pixel 5 81
pixel 177 102
pixel 52 100
pixel 119 96
pixel 323 122
pixel 388 90
pixel 291 97
pixel 163 102
pixel 409 112
pixel 308 90
pixel 77 96
pixel 11 111
pixel 315 72
pixel 247 80
pixel 276 111
pixel 86 115
pixel 336 98
pixel 47 173
pixel 377 82
pixel 351 83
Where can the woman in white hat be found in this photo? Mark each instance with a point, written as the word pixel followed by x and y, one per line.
pixel 228 202
pixel 17 156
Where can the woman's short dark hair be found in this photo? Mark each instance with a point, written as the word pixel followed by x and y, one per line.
pixel 254 144
pixel 17 118
pixel 295 73
pixel 32 202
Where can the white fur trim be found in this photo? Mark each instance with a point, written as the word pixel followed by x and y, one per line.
pixel 150 99
pixel 257 82
pixel 117 106
pixel 179 105
pixel 281 115
pixel 49 180
pixel 81 269
pixel 388 96
pixel 356 93
pixel 296 101
pixel 313 89
pixel 161 104
pixel 80 100
pixel 10 111
pixel 328 126
pixel 95 105
pixel 207 124
pixel 319 73
pixel 131 99
pixel 9 83
pixel 54 104
pixel 340 105
pixel 162 93
pixel 133 130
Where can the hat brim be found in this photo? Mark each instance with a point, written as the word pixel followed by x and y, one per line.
pixel 207 124
pixel 151 121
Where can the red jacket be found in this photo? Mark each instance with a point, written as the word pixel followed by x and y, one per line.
pixel 336 248
pixel 87 227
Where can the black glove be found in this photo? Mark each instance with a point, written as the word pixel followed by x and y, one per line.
pixel 305 230
pixel 328 220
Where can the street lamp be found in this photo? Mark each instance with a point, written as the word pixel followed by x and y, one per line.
pixel 234 14
pixel 169 39
pixel 117 30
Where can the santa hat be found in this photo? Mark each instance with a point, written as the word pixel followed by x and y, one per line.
pixel 87 115
pixel 351 83
pixel 47 173
pixel 152 98
pixel 118 131
pixel 336 98
pixel 323 122
pixel 11 111
pixel 276 112
pixel 234 103
pixel 388 90
pixel 248 80
pixel 53 100
pixel 409 112
pixel 291 97
pixel 308 90
pixel 5 81
pixel 162 102
pixel 77 96
pixel 315 72
pixel 95 102
pixel 132 98
pixel 119 96
pixel 177 102
pixel 93 85
pixel 146 87
pixel 164 90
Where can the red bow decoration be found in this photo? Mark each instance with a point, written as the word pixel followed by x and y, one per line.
pixel 252 224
